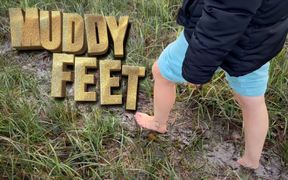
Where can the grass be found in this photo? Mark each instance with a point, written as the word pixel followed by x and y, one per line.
pixel 46 138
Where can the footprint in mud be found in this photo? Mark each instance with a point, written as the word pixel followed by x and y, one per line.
pixel 225 154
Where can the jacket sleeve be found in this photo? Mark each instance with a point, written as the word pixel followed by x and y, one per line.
pixel 218 29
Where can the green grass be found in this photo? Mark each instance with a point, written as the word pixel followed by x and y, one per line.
pixel 284 151
pixel 46 138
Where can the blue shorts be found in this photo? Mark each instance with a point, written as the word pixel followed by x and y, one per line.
pixel 170 66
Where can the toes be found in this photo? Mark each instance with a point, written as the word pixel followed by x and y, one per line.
pixel 138 119
pixel 140 114
pixel 137 115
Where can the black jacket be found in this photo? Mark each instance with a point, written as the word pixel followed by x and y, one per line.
pixel 237 35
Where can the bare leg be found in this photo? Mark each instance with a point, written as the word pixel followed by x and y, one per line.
pixel 164 98
pixel 256 125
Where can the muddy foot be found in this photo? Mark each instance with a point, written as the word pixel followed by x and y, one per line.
pixel 148 122
pixel 245 162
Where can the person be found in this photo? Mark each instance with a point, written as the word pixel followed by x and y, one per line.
pixel 240 37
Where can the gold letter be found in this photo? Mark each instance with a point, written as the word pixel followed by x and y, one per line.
pixel 133 72
pixel 16 26
pixel 25 29
pixel 106 82
pixel 118 33
pixel 50 30
pixel 82 79
pixel 96 34
pixel 60 74
pixel 73 34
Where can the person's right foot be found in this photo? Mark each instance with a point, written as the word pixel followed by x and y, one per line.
pixel 148 122
pixel 245 162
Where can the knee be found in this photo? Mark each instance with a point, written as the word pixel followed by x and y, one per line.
pixel 155 70
pixel 247 102
pixel 157 75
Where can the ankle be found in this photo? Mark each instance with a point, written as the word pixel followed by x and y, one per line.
pixel 160 120
pixel 160 124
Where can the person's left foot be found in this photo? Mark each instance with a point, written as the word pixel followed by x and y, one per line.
pixel 148 122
